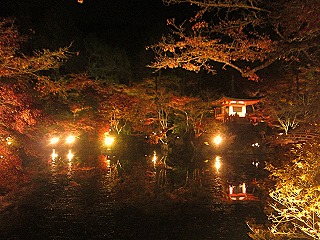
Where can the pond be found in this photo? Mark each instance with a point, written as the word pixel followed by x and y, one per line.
pixel 78 203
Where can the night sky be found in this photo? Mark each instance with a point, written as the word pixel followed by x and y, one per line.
pixel 130 24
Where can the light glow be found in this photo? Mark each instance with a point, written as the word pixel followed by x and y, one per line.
pixel 108 141
pixel 244 188
pixel 217 163
pixel 231 189
pixel 154 158
pixel 217 140
pixel 70 139
pixel 54 155
pixel 54 140
pixel 70 155
pixel 108 162
pixel 9 140
pixel 255 145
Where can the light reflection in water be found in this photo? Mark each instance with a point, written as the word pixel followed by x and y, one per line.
pixel 70 155
pixel 54 155
pixel 107 162
pixel 57 162
pixel 154 158
pixel 217 163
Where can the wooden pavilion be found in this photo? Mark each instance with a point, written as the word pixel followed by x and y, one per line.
pixel 230 108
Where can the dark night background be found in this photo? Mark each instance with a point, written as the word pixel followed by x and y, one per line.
pixel 123 23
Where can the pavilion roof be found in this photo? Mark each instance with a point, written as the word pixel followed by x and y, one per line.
pixel 246 100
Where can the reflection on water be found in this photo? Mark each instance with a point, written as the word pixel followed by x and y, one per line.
pixel 58 163
pixel 70 157
pixel 54 155
pixel 217 163
pixel 154 158
pixel 239 176
pixel 79 204
pixel 53 166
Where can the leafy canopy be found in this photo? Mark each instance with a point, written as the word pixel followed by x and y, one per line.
pixel 246 35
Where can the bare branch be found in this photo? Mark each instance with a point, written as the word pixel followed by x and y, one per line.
pixel 234 4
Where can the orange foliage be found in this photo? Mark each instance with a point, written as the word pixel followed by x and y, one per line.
pixel 250 32
pixel 14 64
pixel 11 173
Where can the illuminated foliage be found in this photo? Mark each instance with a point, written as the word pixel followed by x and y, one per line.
pixel 11 172
pixel 190 114
pixel 14 64
pixel 285 112
pixel 92 104
pixel 294 102
pixel 164 113
pixel 15 109
pixel 294 208
pixel 246 35
pixel 120 109
pixel 21 80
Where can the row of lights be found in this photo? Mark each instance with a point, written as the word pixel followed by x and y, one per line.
pixel 54 155
pixel 109 140
pixel 70 139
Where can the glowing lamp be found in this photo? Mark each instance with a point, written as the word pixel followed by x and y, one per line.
pixel 108 140
pixel 217 140
pixel 54 140
pixel 70 139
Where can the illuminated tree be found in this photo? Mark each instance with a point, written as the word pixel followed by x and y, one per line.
pixel 285 113
pixel 246 35
pixel 17 117
pixel 164 106
pixel 190 114
pixel 121 109
pixel 17 65
pixel 166 110
pixel 21 81
pixel 140 111
pixel 294 207
pixel 293 102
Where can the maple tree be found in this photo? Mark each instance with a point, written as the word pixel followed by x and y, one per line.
pixel 246 35
pixel 175 122
pixel 21 80
pixel 121 109
pixel 190 114
pixel 15 64
pixel 164 103
pixel 17 117
pixel 99 105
